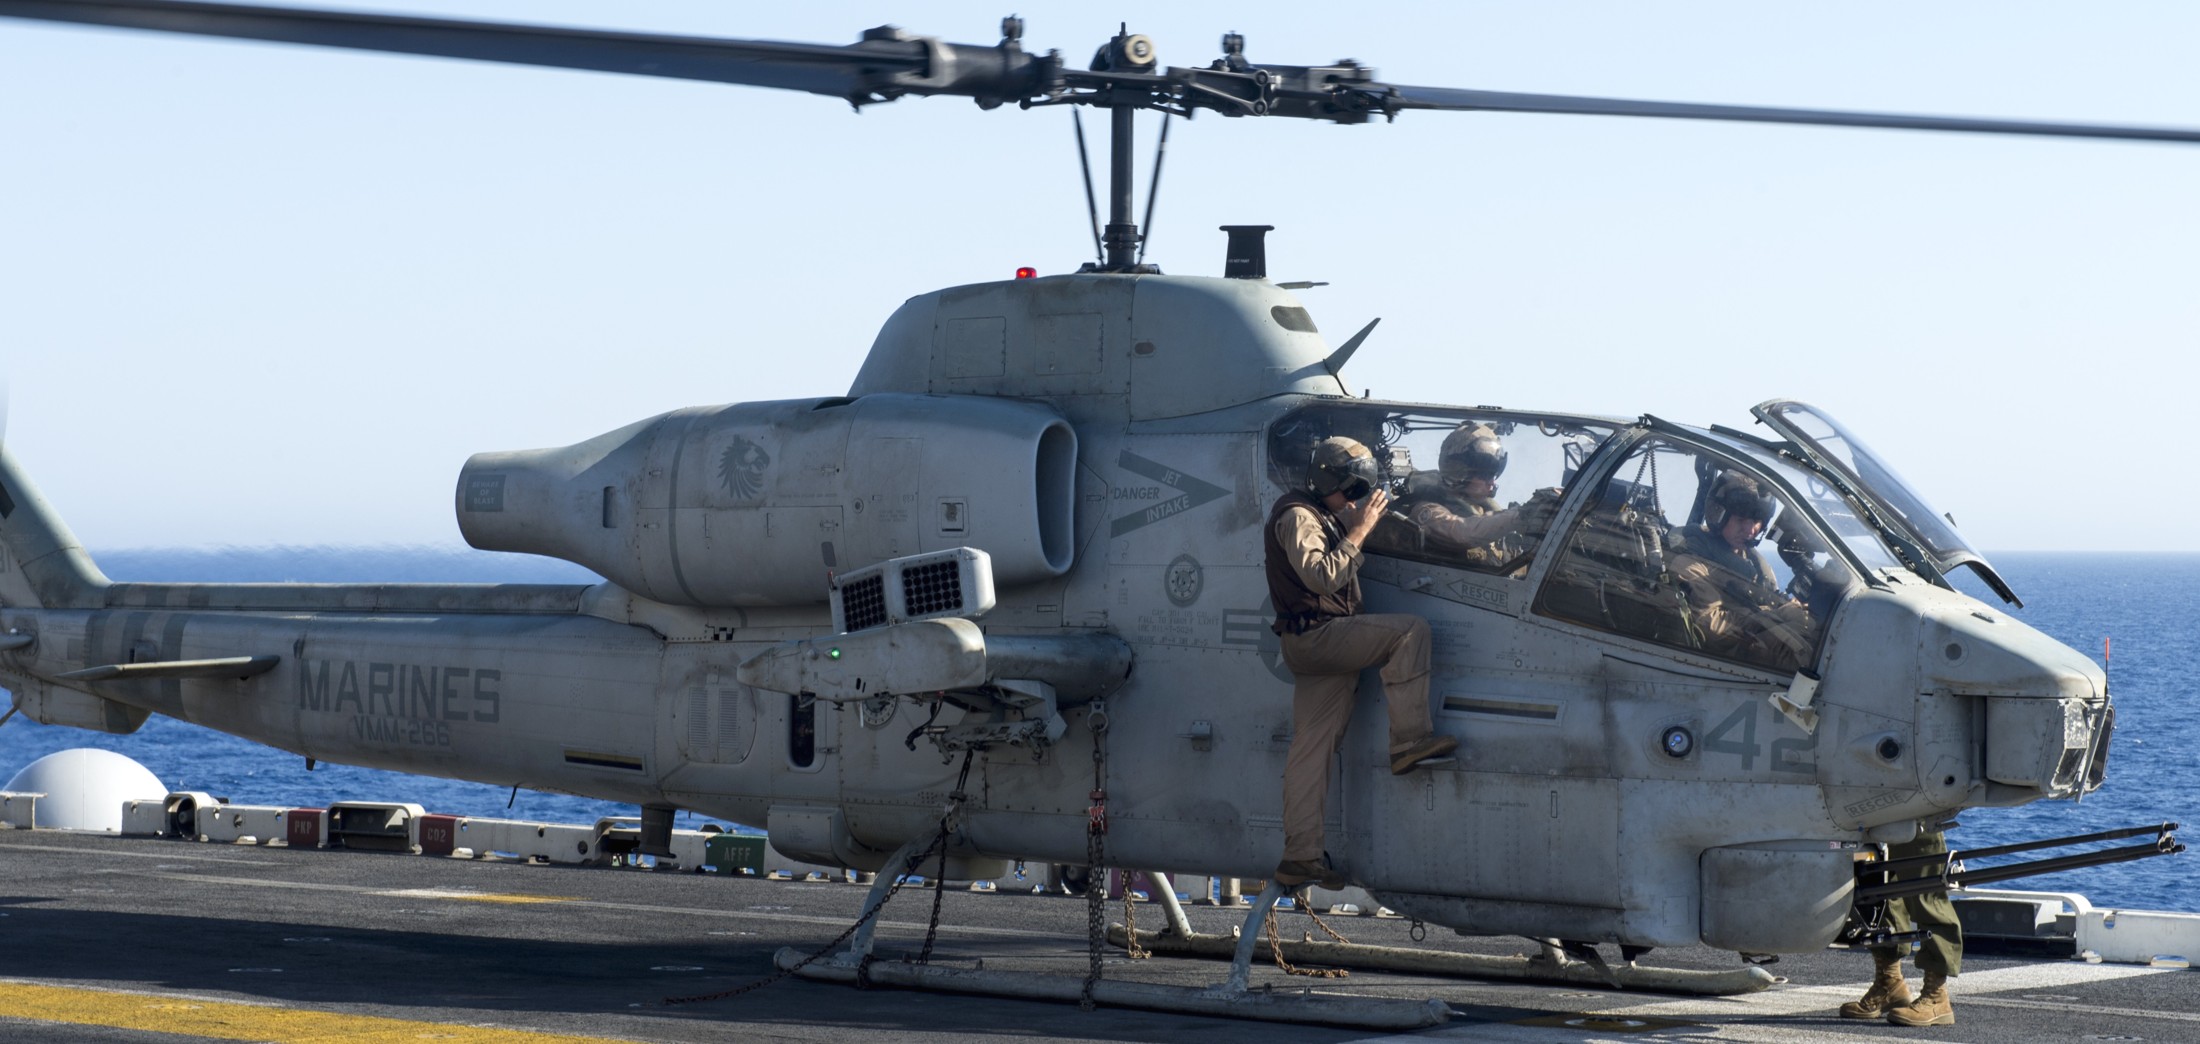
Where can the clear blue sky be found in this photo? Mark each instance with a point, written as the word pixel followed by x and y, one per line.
pixel 254 294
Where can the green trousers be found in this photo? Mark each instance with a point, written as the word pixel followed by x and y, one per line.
pixel 1942 949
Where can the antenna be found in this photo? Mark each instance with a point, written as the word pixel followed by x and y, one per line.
pixel 1335 363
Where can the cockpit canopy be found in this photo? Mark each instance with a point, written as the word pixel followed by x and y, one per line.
pixel 1672 547
pixel 1928 534
pixel 1715 542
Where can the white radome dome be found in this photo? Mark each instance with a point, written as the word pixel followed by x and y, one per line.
pixel 85 788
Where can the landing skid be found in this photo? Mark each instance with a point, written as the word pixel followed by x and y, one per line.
pixel 1233 997
pixel 1543 968
pixel 1230 998
pixel 1553 965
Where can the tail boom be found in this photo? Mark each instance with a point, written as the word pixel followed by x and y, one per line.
pixel 41 563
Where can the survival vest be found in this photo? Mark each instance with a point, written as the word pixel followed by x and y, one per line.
pixel 1298 608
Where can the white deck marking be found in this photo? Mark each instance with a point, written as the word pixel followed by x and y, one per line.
pixel 1795 1000
pixel 2051 974
pixel 1513 1033
pixel 1741 1018
pixel 2068 1008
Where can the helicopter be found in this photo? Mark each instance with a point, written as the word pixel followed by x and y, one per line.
pixel 1023 549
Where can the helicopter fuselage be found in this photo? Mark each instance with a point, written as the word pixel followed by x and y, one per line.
pixel 1618 778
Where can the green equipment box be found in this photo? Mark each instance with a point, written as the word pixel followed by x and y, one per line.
pixel 734 854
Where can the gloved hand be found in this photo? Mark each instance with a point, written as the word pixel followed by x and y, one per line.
pixel 1536 514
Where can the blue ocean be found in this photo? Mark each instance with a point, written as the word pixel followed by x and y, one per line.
pixel 2148 604
pixel 2143 612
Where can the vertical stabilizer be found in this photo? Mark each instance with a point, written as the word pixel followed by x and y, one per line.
pixel 41 564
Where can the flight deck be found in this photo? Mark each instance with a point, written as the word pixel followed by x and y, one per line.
pixel 141 939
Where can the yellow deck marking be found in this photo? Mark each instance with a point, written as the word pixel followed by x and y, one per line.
pixel 515 898
pixel 223 1020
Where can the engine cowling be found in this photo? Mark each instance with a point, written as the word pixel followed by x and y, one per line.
pixel 752 503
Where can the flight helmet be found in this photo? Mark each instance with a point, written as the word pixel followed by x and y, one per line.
pixel 1734 494
pixel 1471 449
pixel 1341 465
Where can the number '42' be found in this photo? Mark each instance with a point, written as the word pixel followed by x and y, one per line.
pixel 1737 735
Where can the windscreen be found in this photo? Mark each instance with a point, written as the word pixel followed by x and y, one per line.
pixel 1843 450
pixel 1836 447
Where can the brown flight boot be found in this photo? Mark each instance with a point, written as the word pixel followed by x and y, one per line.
pixel 1427 750
pixel 1931 1008
pixel 1291 873
pixel 1887 993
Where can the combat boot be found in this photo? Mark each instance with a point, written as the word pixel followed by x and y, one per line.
pixel 1428 749
pixel 1888 991
pixel 1293 873
pixel 1931 1008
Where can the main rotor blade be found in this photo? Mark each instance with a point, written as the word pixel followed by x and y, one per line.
pixel 1447 98
pixel 844 72
pixel 888 63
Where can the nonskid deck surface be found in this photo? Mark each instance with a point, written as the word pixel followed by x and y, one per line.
pixel 145 939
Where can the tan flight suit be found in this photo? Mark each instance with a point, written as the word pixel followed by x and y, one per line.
pixel 1737 605
pixel 1459 529
pixel 1313 576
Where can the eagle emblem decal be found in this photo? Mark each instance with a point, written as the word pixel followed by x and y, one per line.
pixel 742 469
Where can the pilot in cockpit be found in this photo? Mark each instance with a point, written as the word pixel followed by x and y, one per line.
pixel 1455 508
pixel 1736 604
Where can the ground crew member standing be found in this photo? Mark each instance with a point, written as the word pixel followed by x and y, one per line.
pixel 1313 560
pixel 1940 956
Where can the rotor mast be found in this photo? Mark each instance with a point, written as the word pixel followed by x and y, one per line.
pixel 1122 235
pixel 1131 53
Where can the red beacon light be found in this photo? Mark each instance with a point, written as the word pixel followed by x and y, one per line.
pixel 1027 272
